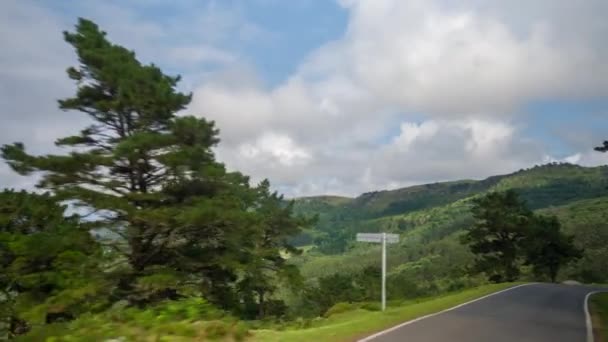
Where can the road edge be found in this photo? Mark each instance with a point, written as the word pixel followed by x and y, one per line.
pixel 391 329
pixel 588 317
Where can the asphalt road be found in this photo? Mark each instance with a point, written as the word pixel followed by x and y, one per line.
pixel 536 312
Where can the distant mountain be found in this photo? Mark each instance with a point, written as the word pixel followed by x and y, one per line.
pixel 541 186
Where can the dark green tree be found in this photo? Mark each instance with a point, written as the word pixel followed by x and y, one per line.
pixel 603 148
pixel 498 234
pixel 129 161
pixel 338 287
pixel 547 248
pixel 180 221
pixel 49 264
pixel 592 267
pixel 368 280
pixel 266 267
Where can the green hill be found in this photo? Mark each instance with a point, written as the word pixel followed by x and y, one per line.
pixel 541 186
pixel 430 217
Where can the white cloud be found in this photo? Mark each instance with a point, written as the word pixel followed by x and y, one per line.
pixel 34 58
pixel 420 55
pixel 487 137
pixel 280 149
pixel 410 132
pixel 415 91
pixel 589 158
pixel 466 69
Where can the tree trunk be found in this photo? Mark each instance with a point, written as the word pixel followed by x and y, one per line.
pixel 553 274
pixel 261 308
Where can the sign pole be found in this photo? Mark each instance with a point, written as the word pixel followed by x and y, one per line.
pixel 383 271
pixel 382 238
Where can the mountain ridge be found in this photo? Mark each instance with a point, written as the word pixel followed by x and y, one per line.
pixel 430 217
pixel 386 202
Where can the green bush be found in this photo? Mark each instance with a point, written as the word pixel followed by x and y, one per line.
pixel 303 323
pixel 340 308
pixel 371 306
pixel 195 308
pixel 240 331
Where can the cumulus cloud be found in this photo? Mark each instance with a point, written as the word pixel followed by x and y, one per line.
pixel 34 58
pixel 414 91
pixel 426 56
pixel 280 150
pixel 451 79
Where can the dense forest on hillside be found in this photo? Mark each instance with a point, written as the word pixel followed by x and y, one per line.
pixel 429 257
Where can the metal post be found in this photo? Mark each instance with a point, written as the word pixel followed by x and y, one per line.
pixel 383 271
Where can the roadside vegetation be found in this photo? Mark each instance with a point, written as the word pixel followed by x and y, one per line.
pixel 598 304
pixel 138 232
pixel 348 322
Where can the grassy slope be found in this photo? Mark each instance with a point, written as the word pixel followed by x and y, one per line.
pixel 599 309
pixel 351 325
pixel 575 194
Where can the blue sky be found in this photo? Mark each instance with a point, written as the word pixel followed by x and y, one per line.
pixel 285 31
pixel 340 97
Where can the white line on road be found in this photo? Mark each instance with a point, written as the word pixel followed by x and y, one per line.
pixel 383 332
pixel 588 320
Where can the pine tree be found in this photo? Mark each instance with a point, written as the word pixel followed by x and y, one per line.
pixel 266 267
pixel 178 217
pixel 135 148
pixel 498 235
pixel 603 148
pixel 181 222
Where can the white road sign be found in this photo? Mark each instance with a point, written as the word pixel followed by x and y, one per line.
pixel 377 237
pixel 382 238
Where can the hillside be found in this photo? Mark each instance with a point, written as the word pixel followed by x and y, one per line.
pixel 542 187
pixel 429 218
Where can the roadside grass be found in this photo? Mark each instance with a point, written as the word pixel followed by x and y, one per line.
pixel 598 304
pixel 358 323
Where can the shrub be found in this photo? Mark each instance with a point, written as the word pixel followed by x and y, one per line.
pixel 303 323
pixel 240 331
pixel 195 308
pixel 371 306
pixel 340 308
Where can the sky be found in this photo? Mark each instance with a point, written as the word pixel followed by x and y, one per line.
pixel 338 96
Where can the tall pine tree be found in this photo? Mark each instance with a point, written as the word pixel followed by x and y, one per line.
pixel 176 216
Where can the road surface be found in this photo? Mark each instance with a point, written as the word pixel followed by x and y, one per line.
pixel 536 312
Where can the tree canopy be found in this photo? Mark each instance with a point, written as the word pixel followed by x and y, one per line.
pixel 48 262
pixel 175 220
pixel 507 235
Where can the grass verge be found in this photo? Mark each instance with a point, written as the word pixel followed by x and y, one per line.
pixel 598 304
pixel 349 326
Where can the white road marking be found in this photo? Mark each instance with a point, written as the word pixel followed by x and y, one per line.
pixel 383 332
pixel 588 320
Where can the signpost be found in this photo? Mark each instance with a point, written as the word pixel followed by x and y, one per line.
pixel 383 238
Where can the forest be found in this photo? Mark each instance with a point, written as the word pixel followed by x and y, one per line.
pixel 137 230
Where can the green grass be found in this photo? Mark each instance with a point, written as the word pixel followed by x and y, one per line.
pixel 349 326
pixel 599 309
